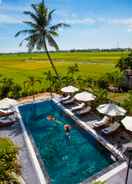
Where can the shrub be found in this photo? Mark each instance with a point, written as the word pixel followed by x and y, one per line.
pixel 101 97
pixel 125 63
pixel 9 166
pixel 103 83
pixel 127 103
pixel 115 79
pixel 8 88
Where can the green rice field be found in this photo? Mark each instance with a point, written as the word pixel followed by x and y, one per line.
pixel 93 64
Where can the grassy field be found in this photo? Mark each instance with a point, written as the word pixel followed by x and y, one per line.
pixel 93 64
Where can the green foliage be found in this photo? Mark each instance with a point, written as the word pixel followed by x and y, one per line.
pixel 127 103
pixel 125 62
pixel 8 162
pixel 8 88
pixel 72 69
pixel 101 96
pixel 54 83
pixel 114 78
pixel 102 82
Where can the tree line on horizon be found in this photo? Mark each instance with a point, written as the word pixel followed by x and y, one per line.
pixel 72 50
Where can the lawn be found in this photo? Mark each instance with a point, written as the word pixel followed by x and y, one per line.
pixel 93 64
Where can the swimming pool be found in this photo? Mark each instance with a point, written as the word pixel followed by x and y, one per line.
pixel 67 159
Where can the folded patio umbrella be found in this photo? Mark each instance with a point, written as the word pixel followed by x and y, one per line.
pixel 127 122
pixel 85 96
pixel 69 89
pixel 7 103
pixel 111 109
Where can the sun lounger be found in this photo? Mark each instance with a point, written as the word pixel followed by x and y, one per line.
pixel 78 107
pixel 112 128
pixel 97 124
pixel 71 100
pixel 65 98
pixel 84 110
pixel 7 122
pixel 6 113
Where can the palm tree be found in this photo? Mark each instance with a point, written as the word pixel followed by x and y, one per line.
pixel 31 81
pixel 41 31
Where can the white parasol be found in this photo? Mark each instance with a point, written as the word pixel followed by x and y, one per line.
pixel 111 109
pixel 69 89
pixel 85 96
pixel 7 103
pixel 127 122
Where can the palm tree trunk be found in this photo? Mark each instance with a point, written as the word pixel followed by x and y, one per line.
pixel 51 62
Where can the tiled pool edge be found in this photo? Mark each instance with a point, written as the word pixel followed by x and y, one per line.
pixel 101 140
pixel 32 153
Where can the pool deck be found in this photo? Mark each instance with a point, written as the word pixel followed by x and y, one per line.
pixel 119 178
pixel 15 133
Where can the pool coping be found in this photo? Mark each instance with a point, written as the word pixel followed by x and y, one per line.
pixel 42 179
pixel 99 177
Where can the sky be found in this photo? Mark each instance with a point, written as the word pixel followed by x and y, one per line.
pixel 94 23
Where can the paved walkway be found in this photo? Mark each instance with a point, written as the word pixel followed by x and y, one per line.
pixel 119 178
pixel 15 133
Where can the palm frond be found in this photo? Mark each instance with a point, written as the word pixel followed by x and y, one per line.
pixel 34 6
pixel 32 16
pixel 50 16
pixel 54 33
pixel 30 23
pixel 57 26
pixel 52 42
pixel 26 31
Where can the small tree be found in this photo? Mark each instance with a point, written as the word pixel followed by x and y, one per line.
pixel 72 70
pixel 30 83
pixel 114 78
pixel 101 97
pixel 127 103
pixel 54 83
pixel 125 63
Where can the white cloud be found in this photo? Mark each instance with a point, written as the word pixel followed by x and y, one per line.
pixel 7 19
pixel 126 22
pixel 120 22
pixel 87 21
pixel 5 8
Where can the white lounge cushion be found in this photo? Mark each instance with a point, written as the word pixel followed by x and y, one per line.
pixel 102 122
pixel 84 110
pixel 64 98
pixel 78 107
pixel 4 121
pixel 69 101
pixel 111 128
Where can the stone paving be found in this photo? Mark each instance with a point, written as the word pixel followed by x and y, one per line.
pixel 14 132
pixel 119 178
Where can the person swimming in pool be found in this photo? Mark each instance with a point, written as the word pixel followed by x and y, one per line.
pixel 50 118
pixel 67 129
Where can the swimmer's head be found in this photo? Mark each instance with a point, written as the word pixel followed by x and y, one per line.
pixel 50 117
pixel 67 127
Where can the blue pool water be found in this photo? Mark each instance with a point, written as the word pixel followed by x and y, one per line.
pixel 68 160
